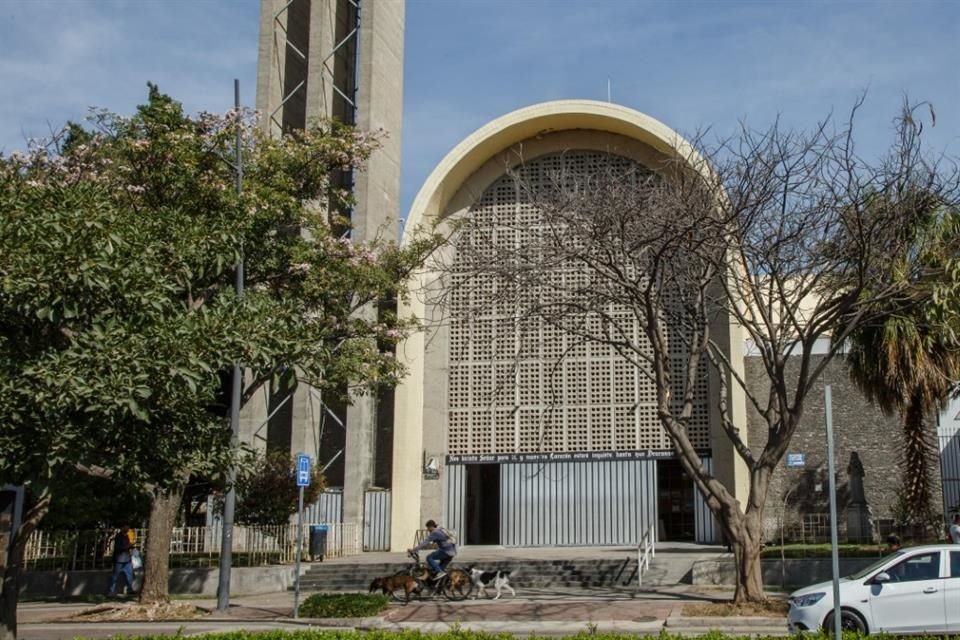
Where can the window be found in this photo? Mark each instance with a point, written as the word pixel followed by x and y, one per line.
pixel 955 564
pixel 925 566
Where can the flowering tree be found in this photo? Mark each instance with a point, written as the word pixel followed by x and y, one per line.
pixel 117 248
pixel 266 494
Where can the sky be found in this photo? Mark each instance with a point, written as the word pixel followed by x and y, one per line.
pixel 692 65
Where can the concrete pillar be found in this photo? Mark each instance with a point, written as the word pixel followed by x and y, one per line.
pixel 269 67
pixel 376 214
pixel 380 106
pixel 374 77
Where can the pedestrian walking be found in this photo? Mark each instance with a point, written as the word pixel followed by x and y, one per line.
pixel 122 560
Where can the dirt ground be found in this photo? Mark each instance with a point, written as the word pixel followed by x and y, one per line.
pixel 770 608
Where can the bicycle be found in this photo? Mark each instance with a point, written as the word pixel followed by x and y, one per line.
pixel 454 586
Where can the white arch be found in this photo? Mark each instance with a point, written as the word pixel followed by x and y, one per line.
pixel 529 122
pixel 433 198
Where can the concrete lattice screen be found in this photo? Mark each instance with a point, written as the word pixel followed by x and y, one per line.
pixel 520 384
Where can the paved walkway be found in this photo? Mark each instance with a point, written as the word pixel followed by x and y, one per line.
pixel 546 613
pixel 554 611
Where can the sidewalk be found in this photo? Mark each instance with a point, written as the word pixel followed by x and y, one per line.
pixel 546 613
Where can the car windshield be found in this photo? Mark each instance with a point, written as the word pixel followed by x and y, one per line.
pixel 863 573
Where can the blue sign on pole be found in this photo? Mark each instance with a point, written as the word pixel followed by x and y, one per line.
pixel 796 460
pixel 303 470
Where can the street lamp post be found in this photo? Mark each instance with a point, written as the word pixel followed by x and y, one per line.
pixel 230 499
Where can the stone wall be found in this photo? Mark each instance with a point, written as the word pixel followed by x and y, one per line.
pixel 859 428
pixel 791 573
pixel 198 582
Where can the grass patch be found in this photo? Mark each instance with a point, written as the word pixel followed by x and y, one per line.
pixel 343 605
pixel 768 609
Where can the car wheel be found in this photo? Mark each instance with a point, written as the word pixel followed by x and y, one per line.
pixel 849 621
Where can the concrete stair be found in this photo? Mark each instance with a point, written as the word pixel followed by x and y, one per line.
pixel 529 574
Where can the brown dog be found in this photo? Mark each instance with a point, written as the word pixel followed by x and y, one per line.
pixel 391 584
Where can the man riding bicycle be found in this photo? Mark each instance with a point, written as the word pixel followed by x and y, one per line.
pixel 446 548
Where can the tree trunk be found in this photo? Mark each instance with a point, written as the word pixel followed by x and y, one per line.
pixel 156 564
pixel 746 552
pixel 10 567
pixel 919 452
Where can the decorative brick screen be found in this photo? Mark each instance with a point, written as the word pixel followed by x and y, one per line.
pixel 518 384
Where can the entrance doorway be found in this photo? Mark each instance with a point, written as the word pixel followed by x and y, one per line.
pixel 482 516
pixel 675 502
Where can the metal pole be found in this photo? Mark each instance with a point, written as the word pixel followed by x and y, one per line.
pixel 834 553
pixel 296 571
pixel 230 500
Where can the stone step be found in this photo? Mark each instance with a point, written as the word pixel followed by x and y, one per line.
pixel 575 574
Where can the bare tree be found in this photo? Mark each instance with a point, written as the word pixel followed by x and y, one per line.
pixel 770 233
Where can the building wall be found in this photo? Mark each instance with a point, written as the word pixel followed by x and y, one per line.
pixel 339 59
pixel 480 397
pixel 948 432
pixel 859 427
pixel 425 401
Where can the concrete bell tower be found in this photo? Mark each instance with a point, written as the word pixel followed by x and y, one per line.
pixel 338 59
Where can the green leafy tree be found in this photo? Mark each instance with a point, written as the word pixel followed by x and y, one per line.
pixel 87 502
pixel 266 492
pixel 117 248
pixel 908 359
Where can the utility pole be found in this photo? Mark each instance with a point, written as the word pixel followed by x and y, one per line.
pixel 230 500
pixel 834 552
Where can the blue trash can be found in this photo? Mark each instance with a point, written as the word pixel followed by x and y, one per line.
pixel 318 541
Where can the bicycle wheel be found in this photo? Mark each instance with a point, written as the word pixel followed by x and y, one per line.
pixel 456 585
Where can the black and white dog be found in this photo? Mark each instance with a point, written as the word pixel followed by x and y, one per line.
pixel 499 580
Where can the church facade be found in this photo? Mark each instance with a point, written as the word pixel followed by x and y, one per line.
pixel 512 435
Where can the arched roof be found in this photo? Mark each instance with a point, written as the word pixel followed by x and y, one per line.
pixel 528 122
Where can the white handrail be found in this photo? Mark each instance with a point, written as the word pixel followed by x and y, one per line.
pixel 645 551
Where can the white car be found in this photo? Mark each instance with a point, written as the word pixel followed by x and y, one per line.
pixel 915 590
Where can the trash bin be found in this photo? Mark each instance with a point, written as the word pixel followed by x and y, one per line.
pixel 318 541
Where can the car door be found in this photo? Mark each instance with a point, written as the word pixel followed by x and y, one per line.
pixel 951 593
pixel 913 599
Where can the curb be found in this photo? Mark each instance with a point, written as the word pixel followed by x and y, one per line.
pixel 516 627
pixel 372 622
pixel 730 625
pixel 716 622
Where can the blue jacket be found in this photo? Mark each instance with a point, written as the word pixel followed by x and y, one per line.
pixel 442 538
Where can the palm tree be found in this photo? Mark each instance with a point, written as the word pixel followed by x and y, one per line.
pixel 909 359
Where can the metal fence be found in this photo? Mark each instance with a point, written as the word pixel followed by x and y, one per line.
pixel 189 546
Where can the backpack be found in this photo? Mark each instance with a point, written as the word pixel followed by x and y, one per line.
pixel 450 535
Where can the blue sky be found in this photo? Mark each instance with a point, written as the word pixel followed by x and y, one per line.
pixel 689 64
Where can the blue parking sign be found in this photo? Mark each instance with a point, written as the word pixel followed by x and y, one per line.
pixel 303 470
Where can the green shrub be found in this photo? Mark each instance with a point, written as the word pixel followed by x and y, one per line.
pixel 343 605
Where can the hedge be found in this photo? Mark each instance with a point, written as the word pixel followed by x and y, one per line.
pixel 343 605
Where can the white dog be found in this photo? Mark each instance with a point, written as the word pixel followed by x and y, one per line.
pixel 500 580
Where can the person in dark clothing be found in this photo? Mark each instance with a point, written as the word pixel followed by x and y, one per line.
pixel 122 560
pixel 446 548
pixel 893 543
